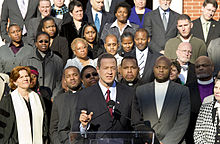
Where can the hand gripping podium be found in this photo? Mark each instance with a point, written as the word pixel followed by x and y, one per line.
pixel 112 137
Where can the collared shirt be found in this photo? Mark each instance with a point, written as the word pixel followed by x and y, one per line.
pixel 115 24
pixel 184 73
pixel 167 13
pixel 112 91
pixel 118 58
pixel 139 54
pixel 14 48
pixel 160 94
pixel 99 15
pixel 205 27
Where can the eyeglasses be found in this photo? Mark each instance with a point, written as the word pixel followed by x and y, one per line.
pixel 91 74
pixel 45 41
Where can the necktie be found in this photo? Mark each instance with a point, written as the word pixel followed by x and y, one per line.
pixel 107 100
pixel 164 21
pixel 206 31
pixel 97 22
pixel 141 65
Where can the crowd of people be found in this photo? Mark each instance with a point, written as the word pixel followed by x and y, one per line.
pixel 103 65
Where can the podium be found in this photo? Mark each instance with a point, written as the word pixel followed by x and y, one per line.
pixel 112 137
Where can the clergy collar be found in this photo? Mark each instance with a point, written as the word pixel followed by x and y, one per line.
pixel 205 82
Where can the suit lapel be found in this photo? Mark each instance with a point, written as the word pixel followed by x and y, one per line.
pixel 171 20
pixel 200 28
pixel 211 30
pixel 17 7
pixel 147 64
pixel 158 19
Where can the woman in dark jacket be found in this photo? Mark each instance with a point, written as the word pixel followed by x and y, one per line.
pixel 58 44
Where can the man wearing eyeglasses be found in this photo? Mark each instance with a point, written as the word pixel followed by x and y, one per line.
pixel 49 65
pixel 11 54
pixel 199 90
pixel 184 26
pixel 89 76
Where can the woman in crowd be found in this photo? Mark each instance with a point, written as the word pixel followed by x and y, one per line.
pixel 58 44
pixel 175 71
pixel 138 12
pixel 207 125
pixel 72 29
pixel 127 43
pixel 90 34
pixel 26 121
pixel 80 50
pixel 121 24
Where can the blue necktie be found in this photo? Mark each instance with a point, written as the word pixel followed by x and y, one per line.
pixel 97 22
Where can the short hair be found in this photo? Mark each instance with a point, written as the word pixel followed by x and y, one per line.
pixel 103 56
pixel 13 24
pixel 213 2
pixel 111 35
pixel 184 17
pixel 85 68
pixel 41 24
pixel 70 67
pixel 94 27
pixel 175 63
pixel 76 40
pixel 14 75
pixel 124 5
pixel 43 0
pixel 127 34
pixel 130 58
pixel 42 33
pixel 142 30
pixel 74 3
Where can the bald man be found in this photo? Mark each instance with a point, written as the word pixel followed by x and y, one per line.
pixel 199 89
pixel 165 104
pixel 184 53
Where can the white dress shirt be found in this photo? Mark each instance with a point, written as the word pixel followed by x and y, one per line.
pixel 167 14
pixel 115 24
pixel 99 16
pixel 184 73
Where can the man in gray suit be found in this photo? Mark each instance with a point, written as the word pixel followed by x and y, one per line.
pixel 165 104
pixel 64 107
pixel 161 25
pixel 19 12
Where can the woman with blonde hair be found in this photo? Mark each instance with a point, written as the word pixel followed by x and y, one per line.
pixel 26 122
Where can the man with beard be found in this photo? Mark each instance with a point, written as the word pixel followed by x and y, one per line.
pixel 64 106
pixel 165 104
pixel 199 89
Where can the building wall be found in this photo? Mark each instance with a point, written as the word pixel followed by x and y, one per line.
pixel 193 8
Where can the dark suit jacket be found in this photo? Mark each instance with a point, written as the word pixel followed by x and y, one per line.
pixel 191 75
pixel 148 75
pixel 62 116
pixel 170 127
pixel 214 30
pixel 10 10
pixel 92 100
pixel 154 25
pixel 106 18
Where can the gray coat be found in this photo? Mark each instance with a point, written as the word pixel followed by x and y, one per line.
pixel 9 60
pixel 50 69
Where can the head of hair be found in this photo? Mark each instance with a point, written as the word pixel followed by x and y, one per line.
pixel 94 27
pixel 213 2
pixel 74 3
pixel 167 60
pixel 41 24
pixel 42 33
pixel 175 63
pixel 70 67
pixel 85 68
pixel 124 5
pixel 43 0
pixel 103 56
pixel 142 30
pixel 13 24
pixel 127 34
pixel 184 17
pixel 111 35
pixel 76 40
pixel 14 75
pixel 130 58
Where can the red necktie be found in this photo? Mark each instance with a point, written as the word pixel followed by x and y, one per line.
pixel 107 100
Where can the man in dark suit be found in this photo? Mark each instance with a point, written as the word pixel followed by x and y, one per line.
pixel 92 109
pixel 145 56
pixel 19 13
pixel 205 27
pixel 64 106
pixel 161 25
pixel 165 104
pixel 97 16
pixel 184 53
